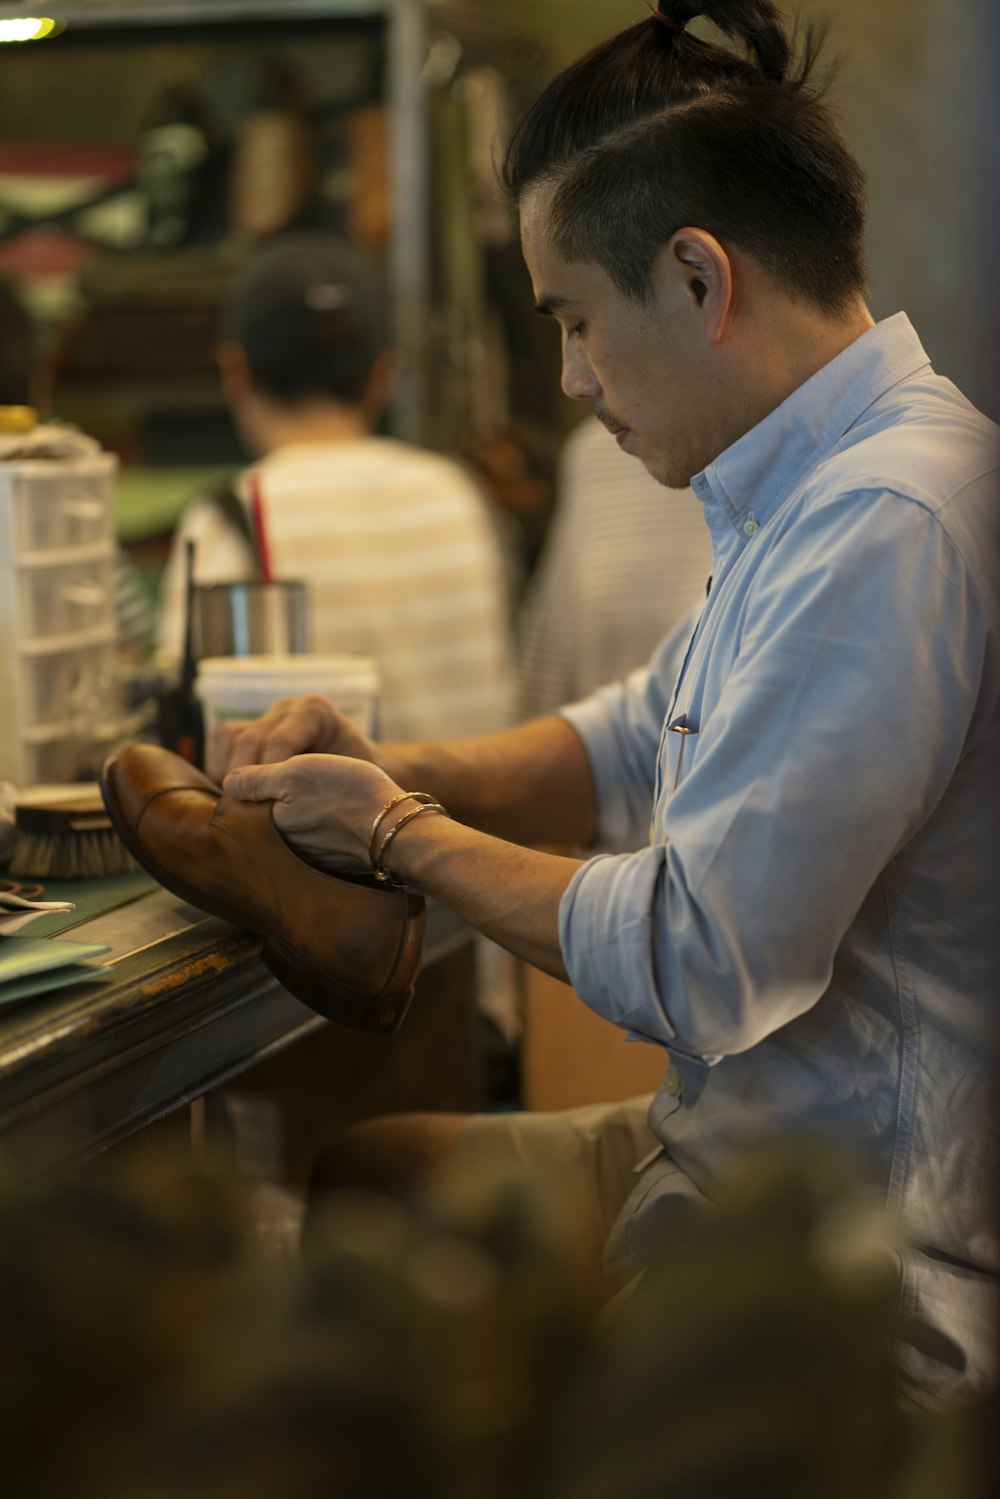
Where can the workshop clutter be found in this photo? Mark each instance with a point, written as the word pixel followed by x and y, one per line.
pixel 58 697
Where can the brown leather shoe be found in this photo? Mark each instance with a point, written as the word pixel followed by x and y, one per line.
pixel 351 951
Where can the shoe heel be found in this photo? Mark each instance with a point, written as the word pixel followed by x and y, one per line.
pixel 327 998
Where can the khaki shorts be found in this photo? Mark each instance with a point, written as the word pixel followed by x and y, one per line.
pixel 591 1152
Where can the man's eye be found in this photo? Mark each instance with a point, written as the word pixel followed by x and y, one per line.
pixel 575 331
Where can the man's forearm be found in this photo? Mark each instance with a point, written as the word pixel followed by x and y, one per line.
pixel 532 784
pixel 509 893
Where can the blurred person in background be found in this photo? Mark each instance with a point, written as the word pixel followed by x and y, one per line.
pixel 622 563
pixel 396 544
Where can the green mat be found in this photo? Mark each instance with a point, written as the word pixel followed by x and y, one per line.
pixel 148 501
pixel 91 898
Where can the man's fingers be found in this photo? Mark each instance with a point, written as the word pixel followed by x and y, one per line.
pixel 259 744
pixel 217 750
pixel 256 783
pixel 292 726
pixel 250 749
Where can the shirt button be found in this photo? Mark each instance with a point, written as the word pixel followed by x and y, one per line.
pixel 751 527
pixel 673 1082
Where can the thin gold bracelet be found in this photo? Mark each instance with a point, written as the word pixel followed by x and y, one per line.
pixel 383 874
pixel 404 796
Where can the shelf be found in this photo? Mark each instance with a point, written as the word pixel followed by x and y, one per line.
pixel 44 557
pixel 135 391
pixel 75 640
pixel 420 51
pixel 98 14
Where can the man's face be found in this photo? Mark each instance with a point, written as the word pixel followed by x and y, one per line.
pixel 640 366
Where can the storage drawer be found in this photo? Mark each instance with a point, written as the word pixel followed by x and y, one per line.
pixel 67 685
pixel 43 764
pixel 65 599
pixel 53 508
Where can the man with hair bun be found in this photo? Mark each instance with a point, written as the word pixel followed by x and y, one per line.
pixel 807 772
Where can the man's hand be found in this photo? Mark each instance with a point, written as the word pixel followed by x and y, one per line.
pixel 324 805
pixel 292 726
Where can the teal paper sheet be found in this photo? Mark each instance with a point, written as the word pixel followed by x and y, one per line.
pixel 40 984
pixel 91 898
pixel 25 957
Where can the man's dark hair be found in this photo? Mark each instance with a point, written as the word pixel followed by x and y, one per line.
pixel 307 310
pixel 656 129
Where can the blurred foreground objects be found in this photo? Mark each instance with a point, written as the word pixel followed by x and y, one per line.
pixel 451 1350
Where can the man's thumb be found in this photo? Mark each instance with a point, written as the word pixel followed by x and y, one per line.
pixel 252 783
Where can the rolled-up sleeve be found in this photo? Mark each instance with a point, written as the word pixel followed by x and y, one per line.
pixel 841 719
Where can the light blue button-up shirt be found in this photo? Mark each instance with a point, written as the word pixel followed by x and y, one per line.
pixel 812 930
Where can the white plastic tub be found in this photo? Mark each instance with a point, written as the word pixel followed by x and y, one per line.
pixel 235 687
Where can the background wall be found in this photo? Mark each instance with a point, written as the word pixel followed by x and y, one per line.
pixel 917 95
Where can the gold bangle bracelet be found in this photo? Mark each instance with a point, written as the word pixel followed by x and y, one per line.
pixel 404 796
pixel 383 874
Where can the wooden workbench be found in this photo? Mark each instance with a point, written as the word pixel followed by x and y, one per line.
pixel 188 1007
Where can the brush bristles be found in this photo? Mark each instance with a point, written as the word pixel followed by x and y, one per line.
pixel 70 856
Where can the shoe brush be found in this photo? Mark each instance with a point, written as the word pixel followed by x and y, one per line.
pixel 64 833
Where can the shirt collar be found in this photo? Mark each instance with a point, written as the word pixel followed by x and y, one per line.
pixel 753 475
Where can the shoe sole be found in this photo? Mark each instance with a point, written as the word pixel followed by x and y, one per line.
pixel 332 1000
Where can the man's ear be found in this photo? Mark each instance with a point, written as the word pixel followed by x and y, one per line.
pixel 378 389
pixel 697 263
pixel 234 370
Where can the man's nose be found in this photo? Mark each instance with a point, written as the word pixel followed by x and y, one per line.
pixel 578 378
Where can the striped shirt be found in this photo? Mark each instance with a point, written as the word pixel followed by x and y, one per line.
pixel 625 559
pixel 402 562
